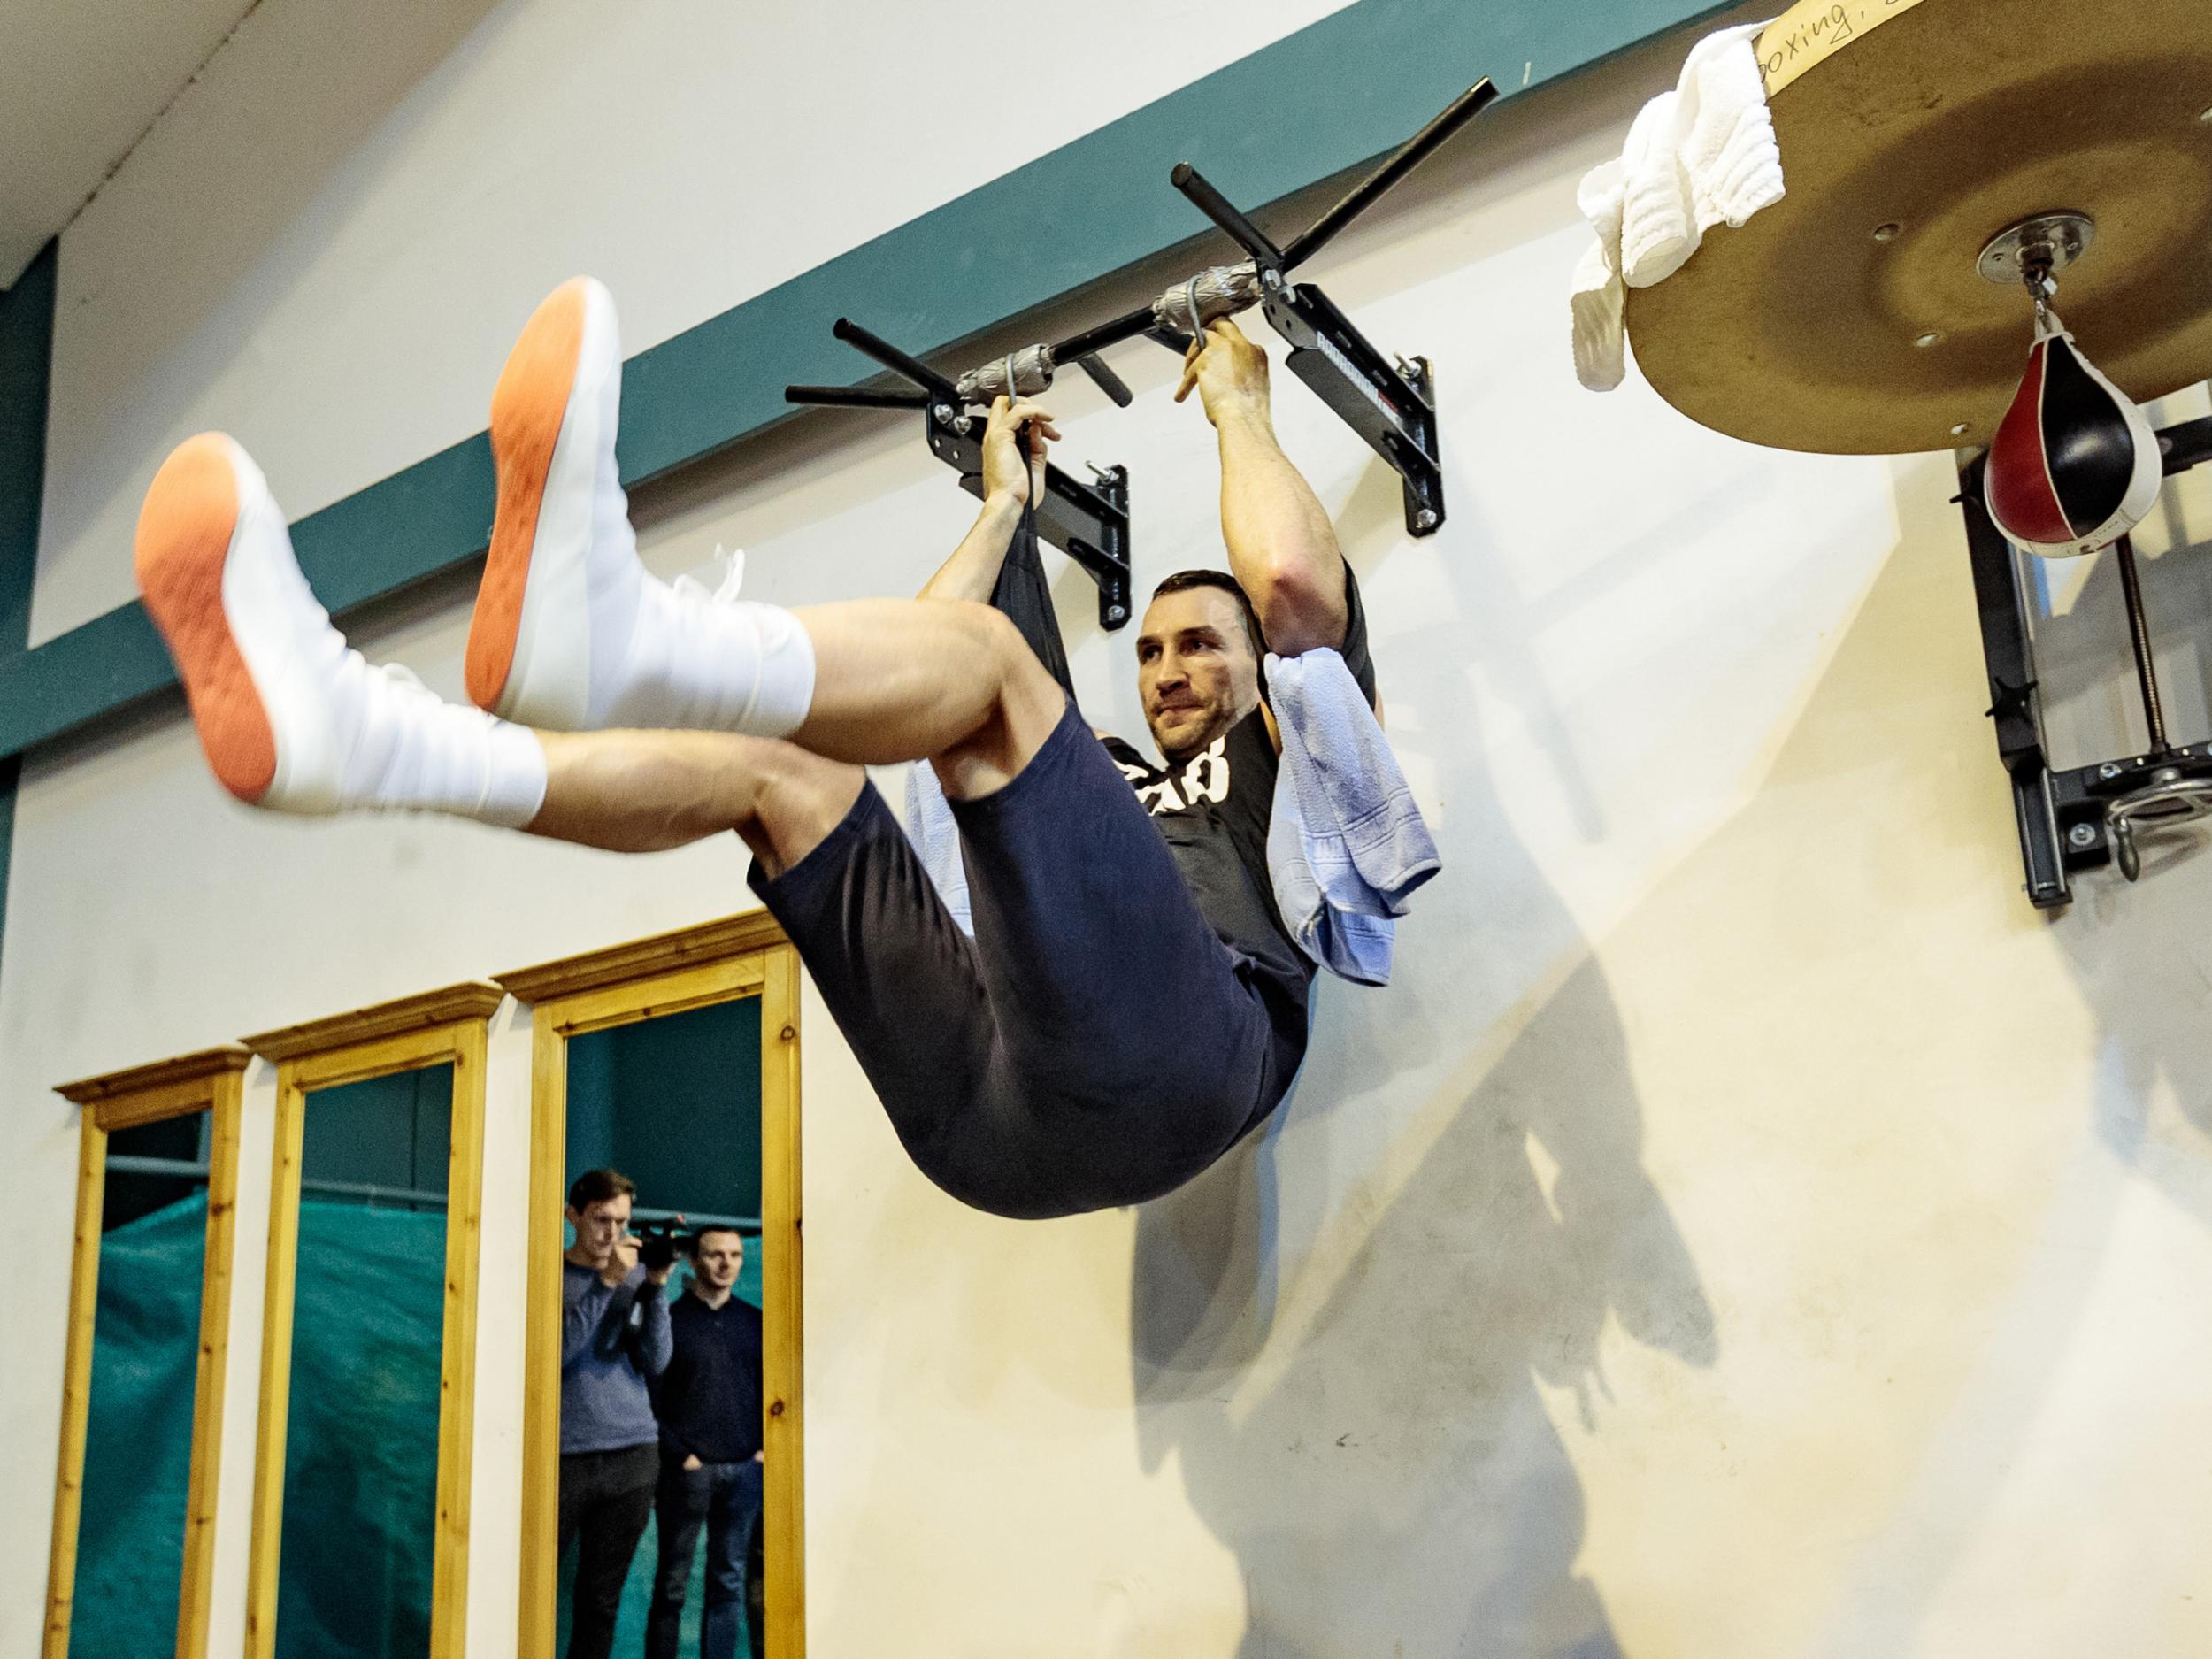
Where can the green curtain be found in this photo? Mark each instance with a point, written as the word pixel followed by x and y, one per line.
pixel 361 1450
pixel 138 1446
pixel 674 1104
pixel 361 1441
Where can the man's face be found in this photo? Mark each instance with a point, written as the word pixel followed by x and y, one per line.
pixel 599 1228
pixel 720 1258
pixel 1196 669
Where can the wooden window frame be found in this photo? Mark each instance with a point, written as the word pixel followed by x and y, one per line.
pixel 209 1081
pixel 723 961
pixel 443 1027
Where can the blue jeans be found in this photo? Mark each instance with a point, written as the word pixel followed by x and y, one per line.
pixel 725 1499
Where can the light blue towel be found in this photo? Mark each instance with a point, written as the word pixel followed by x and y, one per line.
pixel 1346 845
pixel 936 837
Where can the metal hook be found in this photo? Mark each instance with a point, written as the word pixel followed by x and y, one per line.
pixel 2169 800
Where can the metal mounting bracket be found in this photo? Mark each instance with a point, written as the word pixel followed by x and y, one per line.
pixel 2095 815
pixel 1392 408
pixel 1090 524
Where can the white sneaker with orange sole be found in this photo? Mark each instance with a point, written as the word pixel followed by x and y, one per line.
pixel 570 631
pixel 290 717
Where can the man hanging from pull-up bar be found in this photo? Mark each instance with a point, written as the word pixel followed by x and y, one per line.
pixel 1130 1003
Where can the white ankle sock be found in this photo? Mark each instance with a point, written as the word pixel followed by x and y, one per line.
pixel 707 666
pixel 674 655
pixel 412 751
pixel 602 641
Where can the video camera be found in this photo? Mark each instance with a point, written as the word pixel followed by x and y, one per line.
pixel 660 1241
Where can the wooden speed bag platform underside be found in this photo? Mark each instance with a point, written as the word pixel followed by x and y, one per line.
pixel 1849 318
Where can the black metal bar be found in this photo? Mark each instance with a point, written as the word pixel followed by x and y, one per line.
pixel 2186 445
pixel 888 355
pixel 176 1169
pixel 1091 341
pixel 2140 636
pixel 2015 706
pixel 2092 815
pixel 1409 156
pixel 371 1192
pixel 1106 380
pixel 855 397
pixel 1225 213
pixel 185 1170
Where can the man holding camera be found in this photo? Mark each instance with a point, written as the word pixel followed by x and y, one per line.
pixel 614 1339
pixel 709 1401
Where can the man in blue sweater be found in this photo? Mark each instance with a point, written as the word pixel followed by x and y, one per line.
pixel 614 1336
pixel 709 1401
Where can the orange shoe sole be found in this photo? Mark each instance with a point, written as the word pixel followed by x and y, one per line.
pixel 528 408
pixel 184 533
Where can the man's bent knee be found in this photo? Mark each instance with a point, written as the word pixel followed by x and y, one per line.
pixel 799 799
pixel 1027 705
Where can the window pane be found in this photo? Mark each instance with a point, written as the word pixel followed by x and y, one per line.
pixel 361 1441
pixel 674 1105
pixel 145 1344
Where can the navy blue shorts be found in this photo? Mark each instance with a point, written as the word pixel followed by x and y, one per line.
pixel 1093 1044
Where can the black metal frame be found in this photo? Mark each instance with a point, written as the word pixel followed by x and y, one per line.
pixel 2067 819
pixel 1090 524
pixel 1392 407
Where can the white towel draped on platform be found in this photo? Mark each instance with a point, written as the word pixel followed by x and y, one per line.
pixel 1700 156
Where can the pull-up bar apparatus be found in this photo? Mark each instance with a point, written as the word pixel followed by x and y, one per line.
pixel 1388 403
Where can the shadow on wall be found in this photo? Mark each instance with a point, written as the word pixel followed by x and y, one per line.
pixel 1356 1373
pixel 1389 1480
pixel 2140 951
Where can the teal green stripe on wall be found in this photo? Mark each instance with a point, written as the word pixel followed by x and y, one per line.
pixel 27 340
pixel 27 336
pixel 1331 95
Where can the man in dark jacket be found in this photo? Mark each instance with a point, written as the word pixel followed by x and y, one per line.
pixel 711 1461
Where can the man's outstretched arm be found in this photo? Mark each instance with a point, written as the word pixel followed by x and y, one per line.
pixel 971 573
pixel 1282 548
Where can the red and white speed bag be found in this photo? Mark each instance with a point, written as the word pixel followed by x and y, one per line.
pixel 2075 465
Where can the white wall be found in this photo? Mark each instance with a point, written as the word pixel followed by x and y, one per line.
pixel 1744 1229
pixel 242 1388
pixel 326 245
